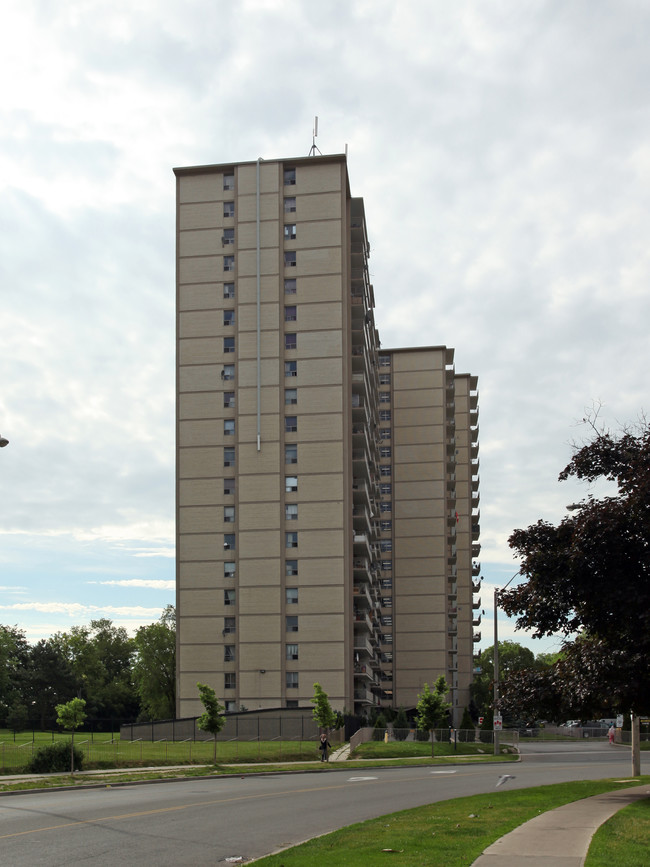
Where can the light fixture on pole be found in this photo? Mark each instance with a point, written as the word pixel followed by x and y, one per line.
pixel 496 731
pixel 3 442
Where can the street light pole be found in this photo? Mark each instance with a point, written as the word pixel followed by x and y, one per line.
pixel 495 731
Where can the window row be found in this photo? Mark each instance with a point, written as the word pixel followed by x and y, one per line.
pixel 290 623
pixel 230 654
pixel 291 595
pixel 290 288
pixel 229 456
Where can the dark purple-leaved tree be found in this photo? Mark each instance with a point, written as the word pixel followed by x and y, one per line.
pixel 590 576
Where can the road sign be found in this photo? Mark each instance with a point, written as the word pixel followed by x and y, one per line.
pixel 498 722
pixel 619 721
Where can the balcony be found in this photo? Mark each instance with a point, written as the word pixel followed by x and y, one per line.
pixel 476 568
pixel 476 586
pixel 362 646
pixel 476 637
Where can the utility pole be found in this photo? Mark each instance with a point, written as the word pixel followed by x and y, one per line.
pixel 496 731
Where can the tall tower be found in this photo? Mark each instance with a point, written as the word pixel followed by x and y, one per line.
pixel 281 449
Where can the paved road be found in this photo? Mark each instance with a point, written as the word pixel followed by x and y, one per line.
pixel 203 821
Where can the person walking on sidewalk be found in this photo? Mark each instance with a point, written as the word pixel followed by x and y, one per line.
pixel 323 746
pixel 611 734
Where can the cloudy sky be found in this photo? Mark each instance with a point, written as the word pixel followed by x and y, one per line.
pixel 503 151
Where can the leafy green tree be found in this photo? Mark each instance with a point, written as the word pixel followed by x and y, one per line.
pixel 432 709
pixel 99 656
pixel 17 716
pixel 512 657
pixel 49 681
pixel 590 576
pixel 14 656
pixel 401 725
pixel 212 719
pixel 322 713
pixel 154 666
pixel 70 716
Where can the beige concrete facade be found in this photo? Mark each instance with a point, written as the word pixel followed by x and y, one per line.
pixel 317 475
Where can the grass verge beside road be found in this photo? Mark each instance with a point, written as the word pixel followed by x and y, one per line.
pixel 453 833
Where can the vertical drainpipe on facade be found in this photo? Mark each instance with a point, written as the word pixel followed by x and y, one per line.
pixel 259 311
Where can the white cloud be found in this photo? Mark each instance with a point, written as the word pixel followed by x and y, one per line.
pixel 141 582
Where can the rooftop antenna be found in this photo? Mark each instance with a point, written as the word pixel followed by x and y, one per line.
pixel 314 133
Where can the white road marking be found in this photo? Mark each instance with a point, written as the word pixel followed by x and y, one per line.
pixel 443 772
pixel 360 779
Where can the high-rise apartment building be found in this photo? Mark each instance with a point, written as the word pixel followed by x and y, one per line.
pixel 327 488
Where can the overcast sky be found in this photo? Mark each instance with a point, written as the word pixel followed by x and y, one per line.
pixel 503 152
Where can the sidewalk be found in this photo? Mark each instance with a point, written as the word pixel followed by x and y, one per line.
pixel 560 837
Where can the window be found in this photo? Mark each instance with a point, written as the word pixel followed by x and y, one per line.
pixel 291 512
pixel 386 545
pixel 385 507
pixel 229 344
pixel 290 540
pixel 292 702
pixel 289 204
pixel 228 317
pixel 291 368
pixel 384 415
pixel 385 526
pixel 384 379
pixel 290 423
pixel 384 360
pixel 229 541
pixel 229 653
pixel 229 457
pixel 291 623
pixel 290 484
pixel 290 341
pixel 229 209
pixel 228 372
pixel 386 489
pixel 230 706
pixel 387 565
pixel 291 453
pixel 290 313
pixel 230 680
pixel 384 397
pixel 290 286
pixel 228 290
pixel 228 237
pixel 289 177
pixel 290 396
pixel 229 427
pixel 229 597
pixel 229 514
pixel 291 651
pixel 289 231
pixel 229 484
pixel 292 592
pixel 229 625
pixel 384 433
pixel 290 259
pixel 228 263
pixel 292 679
pixel 229 569
pixel 229 181
pixel 385 470
pixel 229 399
pixel 385 452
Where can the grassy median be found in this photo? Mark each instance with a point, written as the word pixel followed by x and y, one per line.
pixel 453 833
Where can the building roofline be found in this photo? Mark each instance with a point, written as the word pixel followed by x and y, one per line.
pixel 218 167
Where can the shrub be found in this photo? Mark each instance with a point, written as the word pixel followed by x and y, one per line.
pixel 54 757
pixel 466 732
pixel 380 728
pixel 422 735
pixel 401 725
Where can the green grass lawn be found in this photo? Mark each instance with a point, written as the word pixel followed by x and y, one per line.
pixel 623 840
pixel 412 749
pixel 451 833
